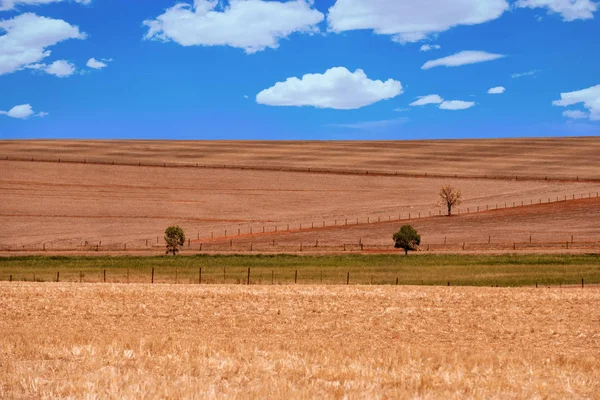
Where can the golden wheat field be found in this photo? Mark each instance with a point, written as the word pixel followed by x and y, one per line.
pixel 181 341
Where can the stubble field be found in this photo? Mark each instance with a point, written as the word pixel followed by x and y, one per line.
pixel 144 341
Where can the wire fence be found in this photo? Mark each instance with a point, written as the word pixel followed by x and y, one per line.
pixel 317 246
pixel 337 171
pixel 277 276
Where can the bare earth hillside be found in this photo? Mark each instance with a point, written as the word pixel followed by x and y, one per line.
pixel 552 157
pixel 64 205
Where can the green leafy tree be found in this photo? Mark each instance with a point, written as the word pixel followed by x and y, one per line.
pixel 175 238
pixel 407 238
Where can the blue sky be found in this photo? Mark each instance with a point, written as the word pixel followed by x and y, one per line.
pixel 298 69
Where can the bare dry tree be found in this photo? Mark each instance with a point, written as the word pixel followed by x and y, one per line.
pixel 449 197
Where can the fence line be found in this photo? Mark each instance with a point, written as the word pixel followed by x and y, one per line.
pixel 486 244
pixel 265 276
pixel 201 243
pixel 250 231
pixel 336 171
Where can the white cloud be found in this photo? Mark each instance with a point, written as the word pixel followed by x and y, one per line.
pixel 372 124
pixel 95 64
pixel 569 10
pixel 411 21
pixel 462 58
pixel 590 98
pixel 27 38
pixel 456 105
pixel 60 68
pixel 337 88
pixel 497 90
pixel 531 73
pixel 42 114
pixel 575 114
pixel 10 4
pixel 428 47
pixel 250 25
pixel 400 109
pixel 429 99
pixel 22 111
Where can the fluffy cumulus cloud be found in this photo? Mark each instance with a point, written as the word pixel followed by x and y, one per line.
pixel 60 68
pixel 456 105
pixel 429 47
pixel 10 4
pixel 590 98
pixel 411 21
pixel 462 58
pixel 22 111
pixel 252 25
pixel 337 88
pixel 27 39
pixel 96 64
pixel 429 99
pixel 569 10
pixel 497 90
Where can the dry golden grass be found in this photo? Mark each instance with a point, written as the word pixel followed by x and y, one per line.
pixel 181 341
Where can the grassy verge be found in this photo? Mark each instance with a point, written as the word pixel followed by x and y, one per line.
pixel 464 270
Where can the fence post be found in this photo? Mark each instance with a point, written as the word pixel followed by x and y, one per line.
pixel 296 277
pixel 10 278
pixel 57 276
pixel 248 281
pixel 396 281
pixel 200 276
pixel 582 283
pixel 152 274
pixel 127 275
pixel 348 279
pixel 104 279
pixel 272 276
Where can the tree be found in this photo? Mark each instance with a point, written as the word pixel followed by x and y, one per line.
pixel 175 238
pixel 449 197
pixel 407 238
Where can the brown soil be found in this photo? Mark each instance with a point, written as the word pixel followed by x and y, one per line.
pixel 552 157
pixel 63 205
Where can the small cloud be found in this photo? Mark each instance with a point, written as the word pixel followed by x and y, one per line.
pixel 60 68
pixel 400 109
pixel 429 47
pixel 463 58
pixel 22 111
pixel 575 114
pixel 590 98
pixel 429 99
pixel 41 114
pixel 372 124
pixel 497 90
pixel 531 73
pixel 246 96
pixel 456 105
pixel 569 10
pixel 95 64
